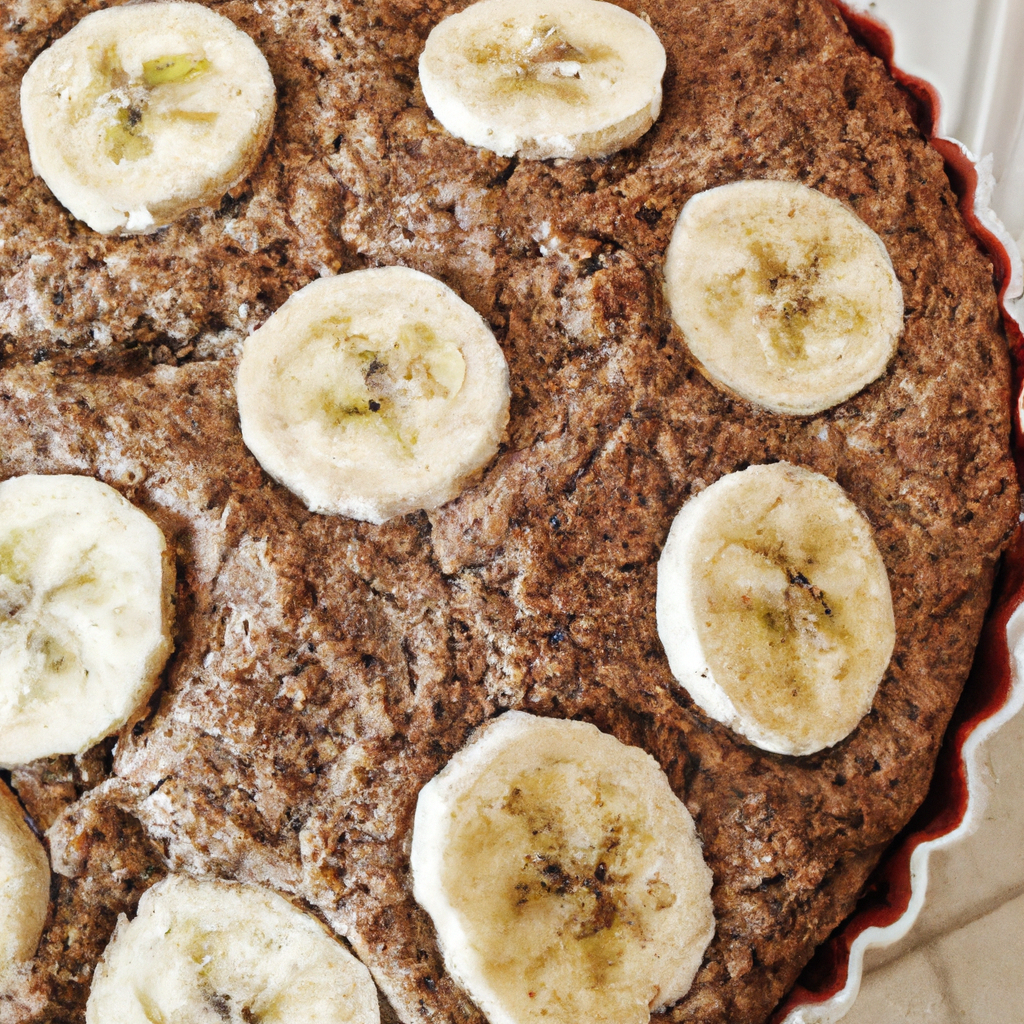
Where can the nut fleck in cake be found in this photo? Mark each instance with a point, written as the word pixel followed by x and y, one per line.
pixel 326 669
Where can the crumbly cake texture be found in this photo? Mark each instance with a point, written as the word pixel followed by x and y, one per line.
pixel 325 669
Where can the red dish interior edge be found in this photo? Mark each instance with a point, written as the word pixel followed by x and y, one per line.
pixel 888 892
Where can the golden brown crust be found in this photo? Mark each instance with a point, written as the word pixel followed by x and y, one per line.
pixel 326 669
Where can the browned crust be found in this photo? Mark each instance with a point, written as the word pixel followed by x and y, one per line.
pixel 325 669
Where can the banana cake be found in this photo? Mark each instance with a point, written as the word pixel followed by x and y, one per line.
pixel 325 669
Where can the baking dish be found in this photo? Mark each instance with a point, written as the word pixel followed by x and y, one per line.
pixel 970 91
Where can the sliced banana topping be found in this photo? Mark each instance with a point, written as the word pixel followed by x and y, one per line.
pixel 564 877
pixel 86 587
pixel 785 296
pixel 373 394
pixel 24 888
pixel 217 952
pixel 144 112
pixel 774 607
pixel 544 78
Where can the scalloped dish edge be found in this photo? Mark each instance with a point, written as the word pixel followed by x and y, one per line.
pixel 999 662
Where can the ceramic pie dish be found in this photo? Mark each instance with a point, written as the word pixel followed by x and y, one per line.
pixel 897 891
pixel 325 670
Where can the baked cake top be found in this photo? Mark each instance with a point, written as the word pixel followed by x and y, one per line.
pixel 324 669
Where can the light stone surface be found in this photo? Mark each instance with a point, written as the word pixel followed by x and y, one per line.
pixel 960 964
pixel 976 876
pixel 980 964
pixel 910 991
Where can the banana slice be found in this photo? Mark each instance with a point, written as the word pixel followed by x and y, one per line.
pixel 544 78
pixel 144 112
pixel 774 607
pixel 219 952
pixel 373 394
pixel 564 877
pixel 785 296
pixel 24 888
pixel 85 611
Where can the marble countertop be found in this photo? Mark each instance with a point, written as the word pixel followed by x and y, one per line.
pixel 961 963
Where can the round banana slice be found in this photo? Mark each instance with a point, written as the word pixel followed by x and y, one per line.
pixel 544 78
pixel 24 888
pixel 564 877
pixel 785 296
pixel 774 607
pixel 217 952
pixel 144 112
pixel 373 394
pixel 86 587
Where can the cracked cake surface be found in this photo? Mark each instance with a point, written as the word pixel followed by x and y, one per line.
pixel 325 669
